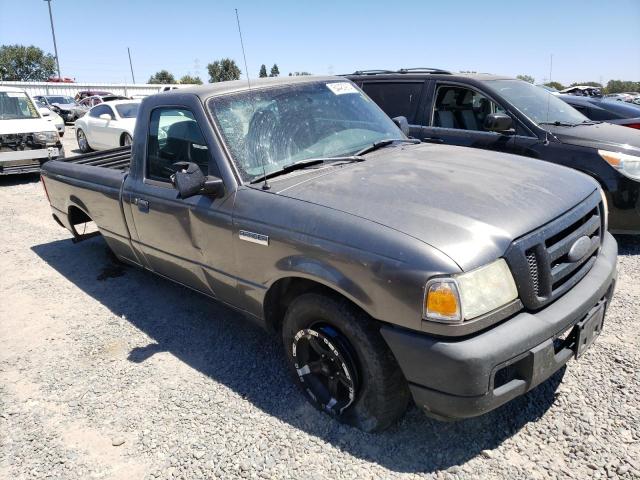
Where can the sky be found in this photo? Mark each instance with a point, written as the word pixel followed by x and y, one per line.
pixel 589 40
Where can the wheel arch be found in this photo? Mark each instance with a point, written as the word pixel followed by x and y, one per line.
pixel 284 290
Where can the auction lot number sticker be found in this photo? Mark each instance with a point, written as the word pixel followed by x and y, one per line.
pixel 340 88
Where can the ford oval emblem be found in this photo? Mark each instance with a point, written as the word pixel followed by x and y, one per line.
pixel 579 249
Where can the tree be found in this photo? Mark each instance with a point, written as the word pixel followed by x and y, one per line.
pixel 556 85
pixel 589 84
pixel 21 63
pixel 620 86
pixel 223 70
pixel 275 71
pixel 163 77
pixel 263 71
pixel 191 80
pixel 526 78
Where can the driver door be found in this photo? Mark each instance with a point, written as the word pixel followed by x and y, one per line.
pixel 174 234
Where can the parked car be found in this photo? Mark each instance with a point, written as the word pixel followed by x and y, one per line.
pixel 51 116
pixel 618 97
pixel 390 268
pixel 507 115
pixel 27 139
pixel 583 90
pixel 619 113
pixel 107 125
pixel 90 93
pixel 64 106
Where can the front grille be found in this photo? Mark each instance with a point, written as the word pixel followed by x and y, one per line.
pixel 541 263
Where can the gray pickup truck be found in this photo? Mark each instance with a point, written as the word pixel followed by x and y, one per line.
pixel 392 269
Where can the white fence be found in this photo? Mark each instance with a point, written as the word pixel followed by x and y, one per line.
pixel 50 88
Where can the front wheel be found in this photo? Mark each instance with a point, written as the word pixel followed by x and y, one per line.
pixel 83 143
pixel 342 364
pixel 126 140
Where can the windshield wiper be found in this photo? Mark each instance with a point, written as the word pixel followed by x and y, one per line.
pixel 301 164
pixel 558 123
pixel 383 143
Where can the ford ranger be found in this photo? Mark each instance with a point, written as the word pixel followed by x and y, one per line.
pixel 391 269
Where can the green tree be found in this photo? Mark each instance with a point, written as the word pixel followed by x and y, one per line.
pixel 223 70
pixel 275 71
pixel 162 77
pixel 191 80
pixel 590 84
pixel 263 71
pixel 526 78
pixel 21 63
pixel 556 85
pixel 619 86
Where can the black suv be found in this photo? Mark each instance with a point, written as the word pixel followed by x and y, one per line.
pixel 508 115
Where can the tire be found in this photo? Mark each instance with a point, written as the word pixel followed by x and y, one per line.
pixel 83 143
pixel 126 140
pixel 381 393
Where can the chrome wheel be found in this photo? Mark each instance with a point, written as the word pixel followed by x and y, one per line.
pixel 126 141
pixel 82 141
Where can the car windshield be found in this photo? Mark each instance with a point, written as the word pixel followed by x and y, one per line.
pixel 60 99
pixel 537 103
pixel 16 106
pixel 127 110
pixel 276 127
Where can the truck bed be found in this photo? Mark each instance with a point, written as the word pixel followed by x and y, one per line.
pixel 117 159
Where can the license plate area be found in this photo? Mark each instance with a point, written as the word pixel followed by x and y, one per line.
pixel 587 330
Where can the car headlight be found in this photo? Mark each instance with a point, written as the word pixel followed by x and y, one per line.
pixel 628 165
pixel 46 138
pixel 606 209
pixel 466 296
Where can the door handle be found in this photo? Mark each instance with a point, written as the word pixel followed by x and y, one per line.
pixel 433 140
pixel 143 205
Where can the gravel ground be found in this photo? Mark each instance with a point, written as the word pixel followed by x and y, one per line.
pixel 111 372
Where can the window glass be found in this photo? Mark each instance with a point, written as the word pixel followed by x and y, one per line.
pixel 99 110
pixel 128 110
pixel 462 108
pixel 395 98
pixel 268 129
pixel 16 106
pixel 174 136
pixel 539 105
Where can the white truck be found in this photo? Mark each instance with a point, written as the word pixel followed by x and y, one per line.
pixel 27 139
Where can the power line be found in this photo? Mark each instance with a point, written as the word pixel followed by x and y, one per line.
pixel 53 33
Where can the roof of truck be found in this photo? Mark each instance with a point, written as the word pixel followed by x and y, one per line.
pixel 4 88
pixel 220 88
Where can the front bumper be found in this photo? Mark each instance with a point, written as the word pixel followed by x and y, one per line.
pixel 28 161
pixel 454 378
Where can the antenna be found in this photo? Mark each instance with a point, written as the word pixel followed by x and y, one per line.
pixel 265 185
pixel 546 132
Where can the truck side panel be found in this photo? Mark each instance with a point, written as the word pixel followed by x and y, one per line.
pixel 75 190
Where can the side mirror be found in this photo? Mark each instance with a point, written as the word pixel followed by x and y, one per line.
pixel 190 181
pixel 498 122
pixel 45 112
pixel 105 116
pixel 402 123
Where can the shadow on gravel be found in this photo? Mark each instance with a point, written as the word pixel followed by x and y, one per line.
pixel 628 244
pixel 19 179
pixel 223 345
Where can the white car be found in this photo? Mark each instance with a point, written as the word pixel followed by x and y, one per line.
pixel 51 116
pixel 27 139
pixel 107 125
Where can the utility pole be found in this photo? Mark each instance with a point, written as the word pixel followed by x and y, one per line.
pixel 53 33
pixel 131 65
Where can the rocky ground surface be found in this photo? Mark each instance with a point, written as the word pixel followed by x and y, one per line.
pixel 108 372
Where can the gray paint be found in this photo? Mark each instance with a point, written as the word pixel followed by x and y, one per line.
pixel 374 232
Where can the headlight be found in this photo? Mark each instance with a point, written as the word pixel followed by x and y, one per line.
pixel 46 138
pixel 469 295
pixel 628 165
pixel 606 209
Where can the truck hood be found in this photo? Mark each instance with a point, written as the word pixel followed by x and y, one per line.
pixel 26 125
pixel 605 136
pixel 468 203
